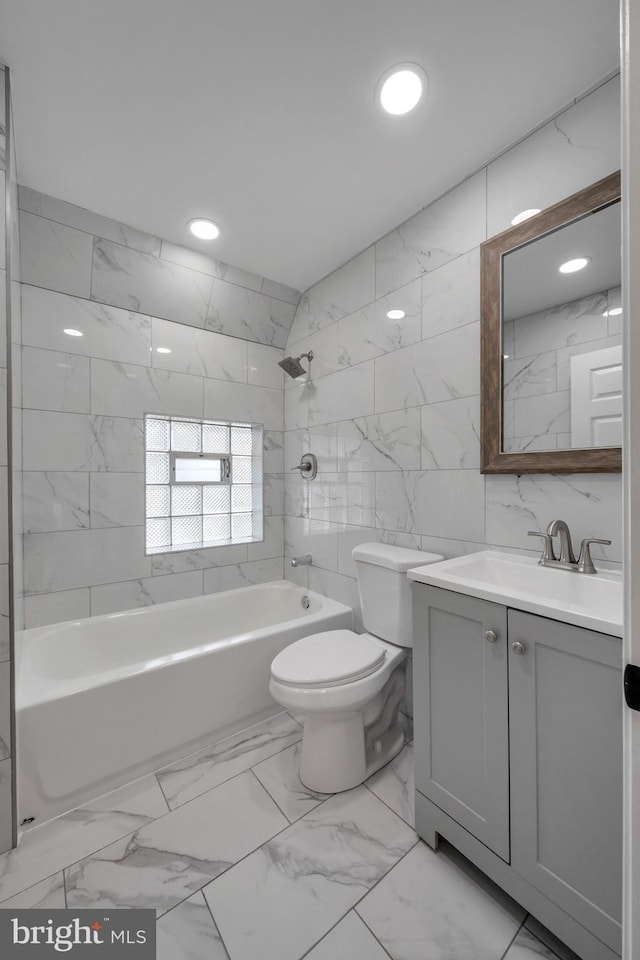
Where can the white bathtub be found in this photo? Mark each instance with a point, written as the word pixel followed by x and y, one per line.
pixel 107 699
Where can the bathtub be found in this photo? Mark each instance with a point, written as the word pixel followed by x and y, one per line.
pixel 104 700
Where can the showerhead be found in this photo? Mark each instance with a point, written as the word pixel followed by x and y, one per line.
pixel 293 367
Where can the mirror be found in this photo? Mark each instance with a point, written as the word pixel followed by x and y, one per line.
pixel 551 339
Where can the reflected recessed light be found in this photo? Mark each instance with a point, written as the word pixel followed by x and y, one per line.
pixel 524 215
pixel 612 312
pixel 204 229
pixel 400 88
pixel 70 332
pixel 572 266
pixel 395 314
pixel 163 350
pixel 505 356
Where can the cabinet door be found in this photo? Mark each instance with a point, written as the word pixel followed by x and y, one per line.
pixel 460 676
pixel 566 768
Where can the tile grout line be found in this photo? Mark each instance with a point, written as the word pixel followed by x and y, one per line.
pixel 513 939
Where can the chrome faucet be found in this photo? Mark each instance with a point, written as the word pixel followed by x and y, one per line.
pixel 301 561
pixel 566 560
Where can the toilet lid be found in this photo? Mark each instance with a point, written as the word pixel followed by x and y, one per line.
pixel 328 659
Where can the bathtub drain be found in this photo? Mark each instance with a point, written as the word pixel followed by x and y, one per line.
pixel 306 603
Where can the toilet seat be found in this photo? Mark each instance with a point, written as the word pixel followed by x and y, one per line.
pixel 328 659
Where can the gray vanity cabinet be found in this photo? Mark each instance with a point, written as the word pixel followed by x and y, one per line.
pixel 460 669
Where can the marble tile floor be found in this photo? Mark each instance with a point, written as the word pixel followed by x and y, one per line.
pixel 242 862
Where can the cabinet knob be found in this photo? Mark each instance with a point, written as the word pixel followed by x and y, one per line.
pixel 491 636
pixel 518 647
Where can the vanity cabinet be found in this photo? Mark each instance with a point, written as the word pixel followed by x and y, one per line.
pixel 518 757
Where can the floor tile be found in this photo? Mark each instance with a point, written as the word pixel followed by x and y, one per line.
pixel 170 859
pixel 430 908
pixel 46 895
pixel 557 948
pixel 44 850
pixel 190 778
pixel 282 899
pixel 394 784
pixel 528 947
pixel 349 940
pixel 279 775
pixel 188 933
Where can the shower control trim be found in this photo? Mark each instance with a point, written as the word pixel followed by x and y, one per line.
pixel 308 466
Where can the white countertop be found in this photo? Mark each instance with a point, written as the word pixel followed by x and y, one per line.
pixel 593 601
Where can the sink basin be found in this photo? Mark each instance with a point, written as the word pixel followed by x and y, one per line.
pixel 593 601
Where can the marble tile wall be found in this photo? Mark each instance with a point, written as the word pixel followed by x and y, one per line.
pixel 83 399
pixel 392 410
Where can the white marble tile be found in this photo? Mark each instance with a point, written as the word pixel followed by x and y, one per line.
pixel 46 895
pixel 349 940
pixel 430 908
pixel 198 352
pixel 189 778
pixel 55 441
pixel 273 543
pixel 527 947
pixel 262 365
pixel 280 291
pixel 530 376
pixel 170 859
pixel 4 611
pixel 4 533
pixel 439 503
pixel 547 414
pixel 279 776
pixel 242 574
pixel 32 201
pixel 45 850
pixel 386 441
pixel 450 435
pixel 451 295
pixel 55 256
pixel 55 501
pixel 394 784
pixel 245 313
pixel 324 345
pixel 83 558
pixel 317 537
pixel 55 381
pixel 117 499
pixel 110 597
pixel 343 395
pixel 273 492
pixel 56 607
pixel 297 575
pixel 167 563
pixel 127 390
pixel 273 451
pixel 247 402
pixel 343 498
pixel 115 443
pixel 5 710
pixel 445 367
pixel 188 933
pixel 137 281
pixel 6 807
pixel 107 332
pixel 559 949
pixel 343 291
pixel 296 406
pixel 369 332
pixel 340 588
pixel 590 503
pixel 580 146
pixel 295 497
pixel 443 231
pixel 315 871
pixel 300 326
pixel 576 322
pixel 196 260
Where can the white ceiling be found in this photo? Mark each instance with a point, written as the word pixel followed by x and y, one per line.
pixel 260 113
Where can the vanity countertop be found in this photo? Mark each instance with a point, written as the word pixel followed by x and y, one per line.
pixel 591 601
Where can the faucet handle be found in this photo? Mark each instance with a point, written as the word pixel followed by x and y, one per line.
pixel 585 563
pixel 547 549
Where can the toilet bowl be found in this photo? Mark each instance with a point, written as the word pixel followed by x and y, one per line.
pixel 350 687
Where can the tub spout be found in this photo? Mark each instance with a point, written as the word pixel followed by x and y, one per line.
pixel 301 561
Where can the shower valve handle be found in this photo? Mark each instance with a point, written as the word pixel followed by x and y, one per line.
pixel 308 466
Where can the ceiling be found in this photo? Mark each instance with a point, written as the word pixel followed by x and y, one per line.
pixel 261 114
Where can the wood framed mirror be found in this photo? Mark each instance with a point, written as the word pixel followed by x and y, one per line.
pixel 551 339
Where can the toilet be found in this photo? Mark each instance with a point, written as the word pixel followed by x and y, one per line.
pixel 349 687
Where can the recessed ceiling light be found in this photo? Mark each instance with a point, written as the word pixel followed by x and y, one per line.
pixel 163 350
pixel 395 314
pixel 70 332
pixel 612 312
pixel 204 229
pixel 572 266
pixel 401 87
pixel 524 215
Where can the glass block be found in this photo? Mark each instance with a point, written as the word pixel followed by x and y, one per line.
pixel 186 436
pixel 185 500
pixel 157 434
pixel 241 440
pixel 257 441
pixel 241 469
pixel 256 470
pixel 256 497
pixel 186 530
pixel 216 528
pixel 241 525
pixel 216 500
pixel 158 501
pixel 157 468
pixel 158 533
pixel 215 438
pixel 240 498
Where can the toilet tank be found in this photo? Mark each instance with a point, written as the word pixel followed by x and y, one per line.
pixel 385 589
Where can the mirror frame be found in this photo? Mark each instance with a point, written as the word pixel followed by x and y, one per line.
pixel 493 460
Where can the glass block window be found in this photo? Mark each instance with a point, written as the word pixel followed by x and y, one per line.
pixel 203 483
